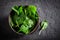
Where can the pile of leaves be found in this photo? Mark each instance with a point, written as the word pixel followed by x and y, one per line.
pixel 23 18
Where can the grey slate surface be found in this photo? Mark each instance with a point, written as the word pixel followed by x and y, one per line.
pixel 48 9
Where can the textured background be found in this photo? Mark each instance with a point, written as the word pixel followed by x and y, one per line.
pixel 48 9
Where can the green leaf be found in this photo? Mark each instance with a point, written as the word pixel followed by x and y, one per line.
pixel 44 24
pixel 20 9
pixel 32 8
pixel 28 22
pixel 24 29
pixel 19 20
pixel 14 18
pixel 15 8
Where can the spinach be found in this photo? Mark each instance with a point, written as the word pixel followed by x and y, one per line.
pixel 44 24
pixel 32 9
pixel 24 18
pixel 28 22
pixel 15 8
pixel 20 10
pixel 24 29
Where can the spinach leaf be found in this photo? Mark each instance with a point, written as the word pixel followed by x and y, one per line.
pixel 24 29
pixel 44 24
pixel 32 9
pixel 20 10
pixel 15 8
pixel 28 22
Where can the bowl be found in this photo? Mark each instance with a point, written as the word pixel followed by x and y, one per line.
pixel 33 30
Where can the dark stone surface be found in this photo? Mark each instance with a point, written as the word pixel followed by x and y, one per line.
pixel 48 9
